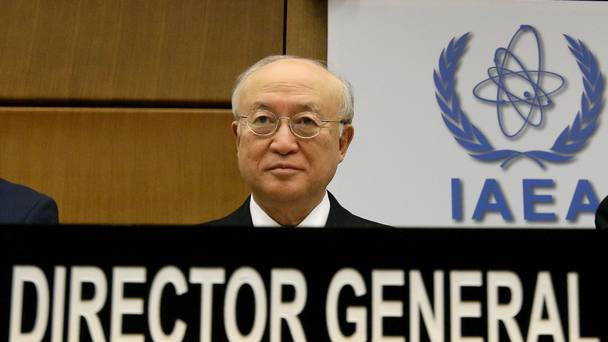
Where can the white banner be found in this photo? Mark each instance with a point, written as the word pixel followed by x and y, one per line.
pixel 473 113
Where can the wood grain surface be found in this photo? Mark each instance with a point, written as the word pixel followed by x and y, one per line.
pixel 158 51
pixel 125 165
pixel 306 32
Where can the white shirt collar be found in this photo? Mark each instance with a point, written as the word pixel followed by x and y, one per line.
pixel 316 219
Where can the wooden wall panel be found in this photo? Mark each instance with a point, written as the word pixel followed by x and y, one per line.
pixel 132 50
pixel 124 165
pixel 306 32
pixel 139 165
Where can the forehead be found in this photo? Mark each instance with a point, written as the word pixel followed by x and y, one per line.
pixel 292 80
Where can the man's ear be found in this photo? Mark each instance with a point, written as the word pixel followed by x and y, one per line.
pixel 348 132
pixel 235 131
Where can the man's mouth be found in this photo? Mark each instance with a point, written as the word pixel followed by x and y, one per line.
pixel 284 169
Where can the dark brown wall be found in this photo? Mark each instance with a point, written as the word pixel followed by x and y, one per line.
pixel 119 109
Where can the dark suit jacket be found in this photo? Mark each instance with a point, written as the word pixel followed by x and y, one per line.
pixel 338 217
pixel 601 215
pixel 22 205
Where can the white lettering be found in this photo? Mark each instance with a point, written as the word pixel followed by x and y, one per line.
pixel 89 308
pixel 356 315
pixel 167 275
pixel 33 275
pixel 288 311
pixel 574 327
pixel 122 306
pixel 420 304
pixel 385 308
pixel 544 296
pixel 207 277
pixel 504 313
pixel 461 309
pixel 58 304
pixel 245 276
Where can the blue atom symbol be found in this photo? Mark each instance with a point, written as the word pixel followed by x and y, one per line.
pixel 528 102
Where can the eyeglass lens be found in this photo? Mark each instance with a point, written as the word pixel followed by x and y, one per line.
pixel 303 124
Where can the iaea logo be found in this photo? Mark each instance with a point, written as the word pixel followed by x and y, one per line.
pixel 529 106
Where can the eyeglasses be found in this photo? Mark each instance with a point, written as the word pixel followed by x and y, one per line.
pixel 305 125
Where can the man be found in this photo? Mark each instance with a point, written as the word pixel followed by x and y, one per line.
pixel 292 127
pixel 601 216
pixel 22 205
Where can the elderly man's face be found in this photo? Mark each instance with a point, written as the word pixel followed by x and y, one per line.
pixel 283 167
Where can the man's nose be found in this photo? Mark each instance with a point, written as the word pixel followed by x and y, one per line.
pixel 283 141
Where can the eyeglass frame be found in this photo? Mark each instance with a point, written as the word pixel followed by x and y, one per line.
pixel 277 125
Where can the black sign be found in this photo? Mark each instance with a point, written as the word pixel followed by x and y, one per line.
pixel 182 283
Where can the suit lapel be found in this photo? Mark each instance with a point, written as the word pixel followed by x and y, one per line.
pixel 337 214
pixel 238 218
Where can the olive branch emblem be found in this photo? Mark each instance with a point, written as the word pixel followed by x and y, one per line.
pixel 570 141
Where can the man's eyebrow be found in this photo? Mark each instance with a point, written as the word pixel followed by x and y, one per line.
pixel 259 105
pixel 305 107
pixel 309 107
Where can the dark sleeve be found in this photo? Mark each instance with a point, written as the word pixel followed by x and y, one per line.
pixel 601 216
pixel 44 211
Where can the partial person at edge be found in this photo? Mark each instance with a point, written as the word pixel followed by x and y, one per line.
pixel 601 215
pixel 22 205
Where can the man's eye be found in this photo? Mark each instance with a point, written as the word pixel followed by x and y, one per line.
pixel 306 121
pixel 262 120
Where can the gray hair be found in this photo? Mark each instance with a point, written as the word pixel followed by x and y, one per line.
pixel 347 110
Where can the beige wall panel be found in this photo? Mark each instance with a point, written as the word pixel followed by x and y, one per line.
pixel 132 50
pixel 125 165
pixel 307 28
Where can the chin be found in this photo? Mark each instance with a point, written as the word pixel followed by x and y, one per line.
pixel 285 192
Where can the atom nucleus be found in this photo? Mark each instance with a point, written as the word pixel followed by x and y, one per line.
pixel 527 102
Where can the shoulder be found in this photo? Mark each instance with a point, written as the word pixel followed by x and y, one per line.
pixel 22 205
pixel 601 216
pixel 241 217
pixel 341 217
